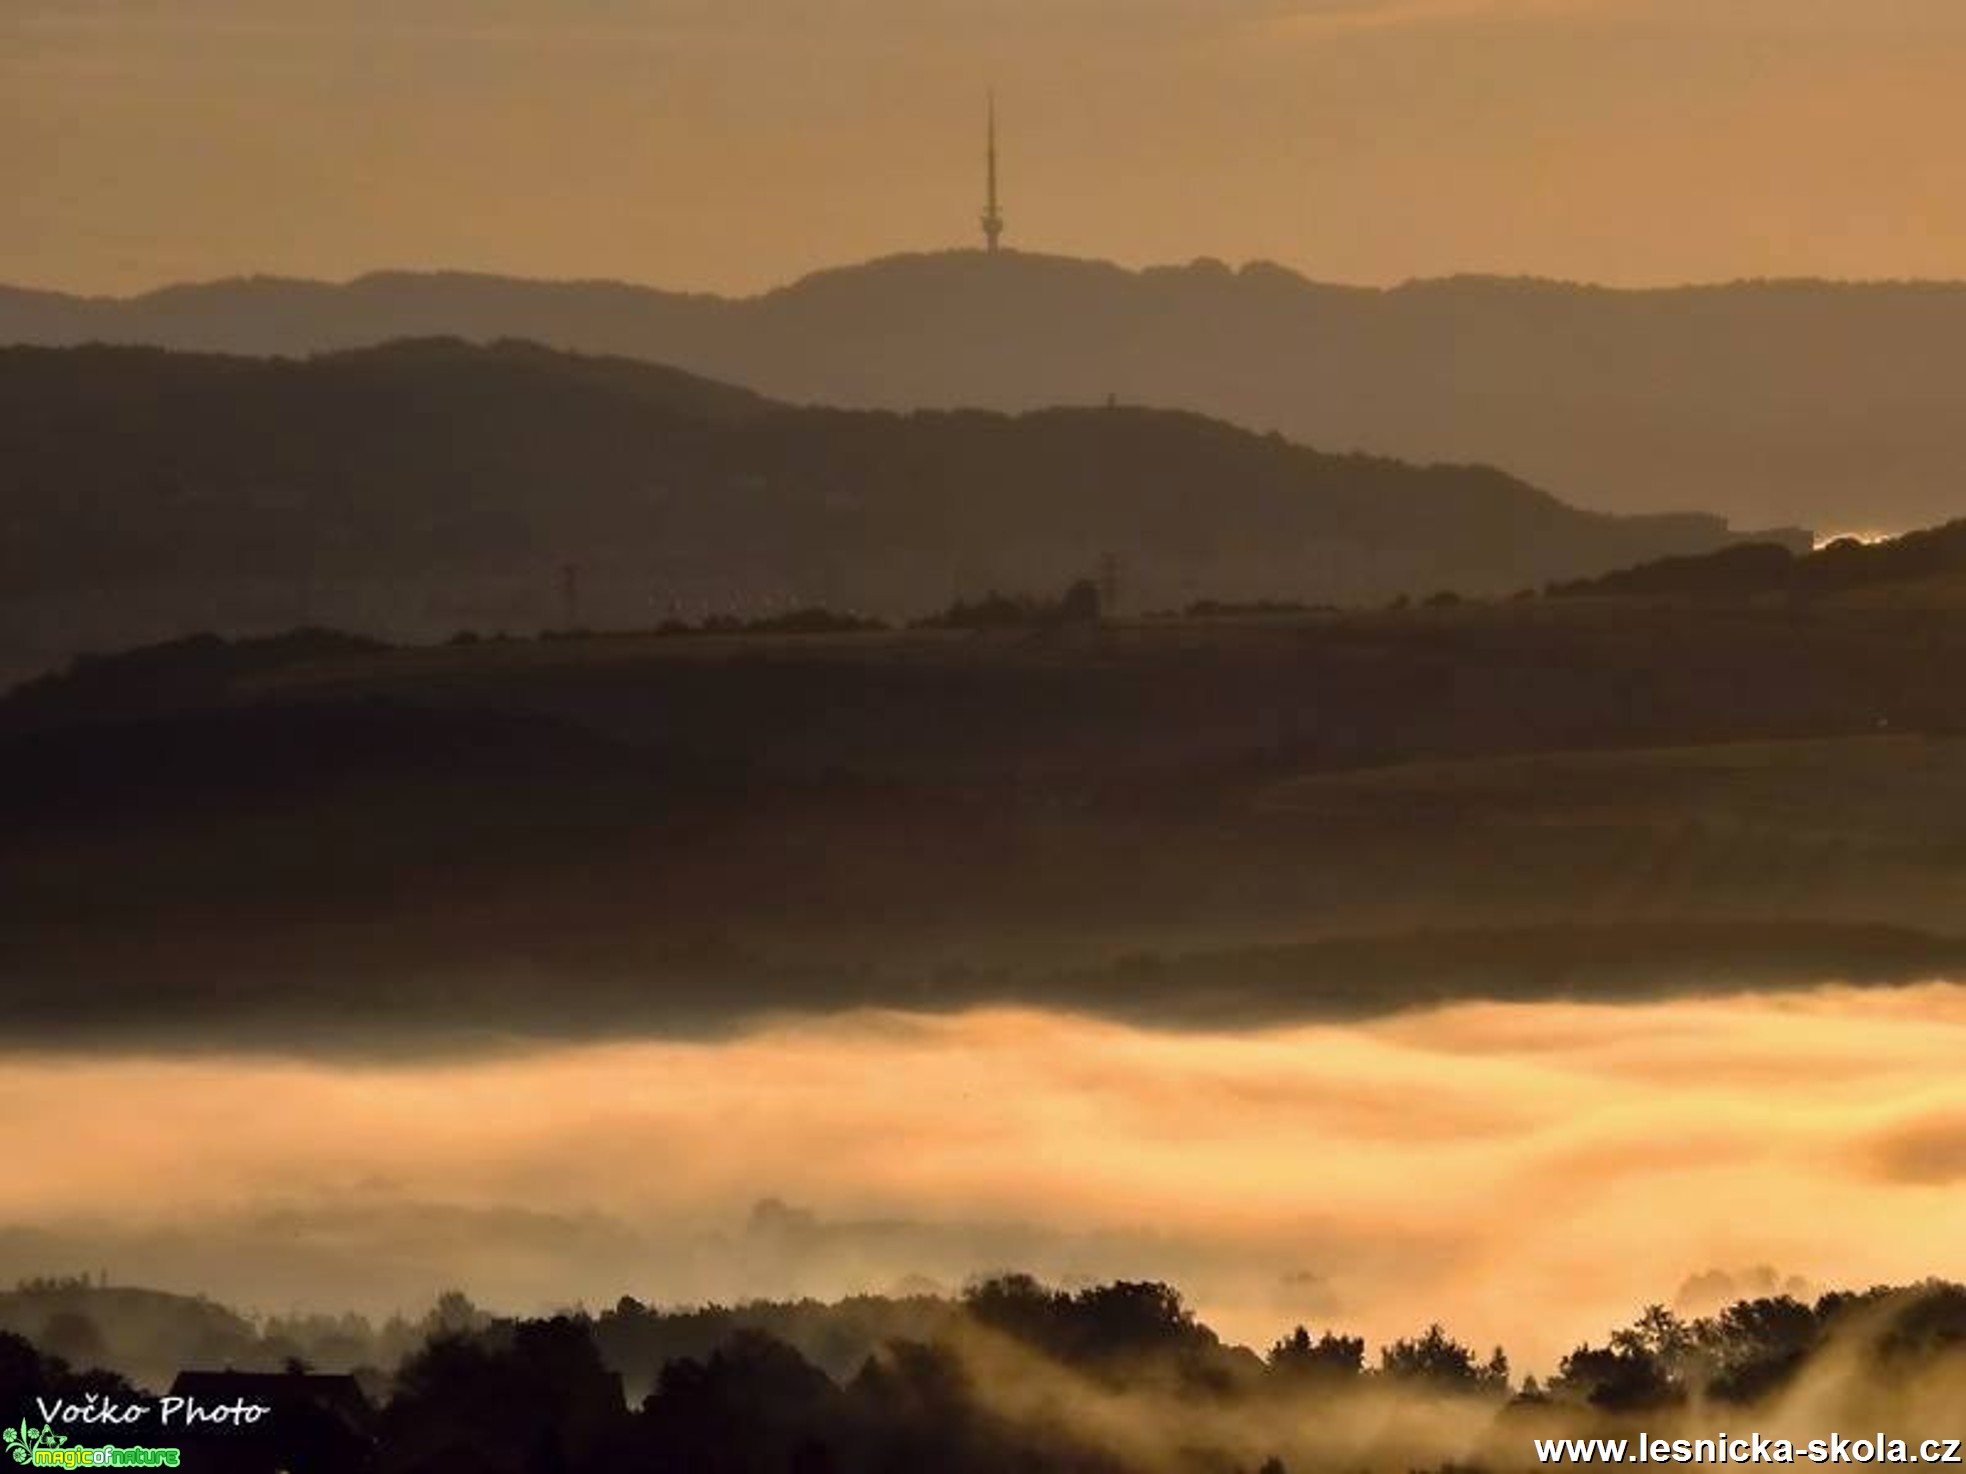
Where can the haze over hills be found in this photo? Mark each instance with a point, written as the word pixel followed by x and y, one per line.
pixel 428 486
pixel 1789 402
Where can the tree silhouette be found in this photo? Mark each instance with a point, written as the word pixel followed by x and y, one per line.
pixel 1330 1358
pixel 1438 1362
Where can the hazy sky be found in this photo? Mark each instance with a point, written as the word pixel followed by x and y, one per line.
pixel 734 144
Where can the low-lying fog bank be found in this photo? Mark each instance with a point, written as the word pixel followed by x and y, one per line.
pixel 1527 1173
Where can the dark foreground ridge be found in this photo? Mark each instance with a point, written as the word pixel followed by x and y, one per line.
pixel 1928 565
pixel 321 842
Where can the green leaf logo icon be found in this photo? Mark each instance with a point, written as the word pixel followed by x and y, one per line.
pixel 22 1441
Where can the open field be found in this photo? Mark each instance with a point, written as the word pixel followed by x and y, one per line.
pixel 632 831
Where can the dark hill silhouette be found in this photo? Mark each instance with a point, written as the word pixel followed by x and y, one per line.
pixel 1926 566
pixel 143 1333
pixel 429 485
pixel 1808 402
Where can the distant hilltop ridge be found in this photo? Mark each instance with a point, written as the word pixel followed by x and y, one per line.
pixel 431 485
pixel 1782 402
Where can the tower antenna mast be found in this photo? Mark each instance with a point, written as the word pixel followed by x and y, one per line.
pixel 992 212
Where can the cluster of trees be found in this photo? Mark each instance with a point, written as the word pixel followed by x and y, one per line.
pixel 812 619
pixel 1756 1347
pixel 1078 604
pixel 871 1383
pixel 874 1384
pixel 1017 1375
pixel 150 1335
pixel 1217 608
pixel 550 1394
pixel 639 1340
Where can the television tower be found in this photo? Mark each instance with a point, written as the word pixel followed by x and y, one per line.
pixel 992 214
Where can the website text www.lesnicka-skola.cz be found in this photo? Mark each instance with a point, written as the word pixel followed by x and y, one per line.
pixel 1748 1448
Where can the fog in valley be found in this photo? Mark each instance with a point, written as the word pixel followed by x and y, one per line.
pixel 1527 1173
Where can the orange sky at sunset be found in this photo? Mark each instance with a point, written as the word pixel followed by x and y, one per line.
pixel 732 147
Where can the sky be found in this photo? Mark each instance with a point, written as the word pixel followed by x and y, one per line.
pixel 732 145
pixel 1531 1174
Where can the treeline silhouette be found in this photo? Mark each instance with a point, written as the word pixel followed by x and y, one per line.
pixel 1079 604
pixel 1230 608
pixel 1016 1375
